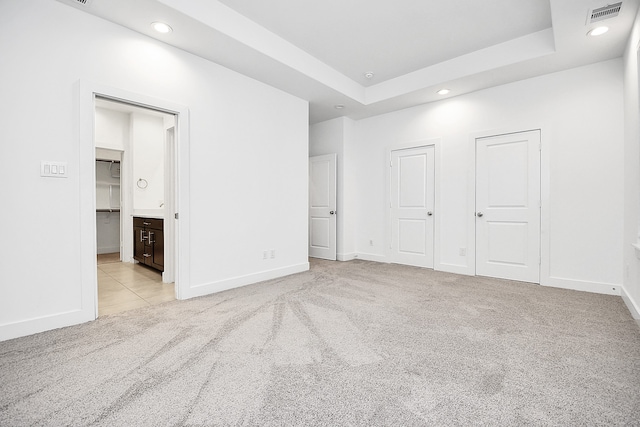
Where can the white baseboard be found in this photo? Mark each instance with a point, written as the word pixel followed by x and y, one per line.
pixel 371 257
pixel 236 282
pixel 448 268
pixel 108 249
pixel 36 325
pixel 346 257
pixel 581 285
pixel 557 282
pixel 454 268
pixel 634 308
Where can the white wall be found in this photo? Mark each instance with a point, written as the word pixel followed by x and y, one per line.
pixel 108 232
pixel 147 147
pixel 144 135
pixel 247 160
pixel 631 289
pixel 111 129
pixel 348 188
pixel 580 114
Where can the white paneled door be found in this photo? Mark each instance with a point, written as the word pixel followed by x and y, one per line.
pixel 322 206
pixel 412 206
pixel 508 206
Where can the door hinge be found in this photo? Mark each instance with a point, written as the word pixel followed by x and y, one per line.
pixel 175 215
pixel 391 164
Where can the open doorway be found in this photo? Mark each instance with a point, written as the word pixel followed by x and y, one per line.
pixel 135 205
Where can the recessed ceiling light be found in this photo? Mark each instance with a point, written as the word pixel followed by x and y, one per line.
pixel 598 31
pixel 161 27
pixel 369 74
pixel 443 91
pixel 338 106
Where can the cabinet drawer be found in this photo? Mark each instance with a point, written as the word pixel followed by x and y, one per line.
pixel 153 223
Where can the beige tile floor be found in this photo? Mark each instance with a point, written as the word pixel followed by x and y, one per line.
pixel 124 286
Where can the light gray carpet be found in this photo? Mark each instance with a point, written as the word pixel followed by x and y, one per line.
pixel 354 343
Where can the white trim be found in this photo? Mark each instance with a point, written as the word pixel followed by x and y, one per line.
pixel 437 264
pixel 346 257
pixel 444 267
pixel 633 307
pixel 249 279
pixel 88 239
pixel 170 150
pixel 545 204
pixel 545 162
pixel 108 249
pixel 35 325
pixel 428 142
pixel 87 92
pixel 455 268
pixel 331 252
pixel 372 257
pixel 583 285
pixel 471 202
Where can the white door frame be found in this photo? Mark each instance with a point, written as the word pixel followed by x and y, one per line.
pixel 545 137
pixel 168 275
pixel 328 213
pixel 435 142
pixel 528 270
pixel 87 91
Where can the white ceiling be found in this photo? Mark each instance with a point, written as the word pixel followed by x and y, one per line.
pixel 320 50
pixel 393 38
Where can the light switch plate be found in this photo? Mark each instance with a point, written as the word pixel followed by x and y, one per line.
pixel 47 169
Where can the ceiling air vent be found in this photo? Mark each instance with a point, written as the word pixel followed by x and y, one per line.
pixel 602 13
pixel 78 2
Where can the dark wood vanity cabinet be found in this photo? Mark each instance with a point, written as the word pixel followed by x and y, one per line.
pixel 148 242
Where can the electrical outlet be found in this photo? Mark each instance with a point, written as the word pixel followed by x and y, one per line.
pixel 265 254
pixel 273 253
pixel 463 251
pixel 370 242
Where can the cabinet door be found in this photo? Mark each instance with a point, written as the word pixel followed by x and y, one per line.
pixel 157 239
pixel 139 239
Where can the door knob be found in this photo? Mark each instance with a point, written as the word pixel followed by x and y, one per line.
pixel 479 214
pixel 332 212
pixel 429 213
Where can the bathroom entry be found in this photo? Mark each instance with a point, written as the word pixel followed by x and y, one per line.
pixel 136 145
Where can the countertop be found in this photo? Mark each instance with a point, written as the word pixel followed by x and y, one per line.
pixel 150 216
